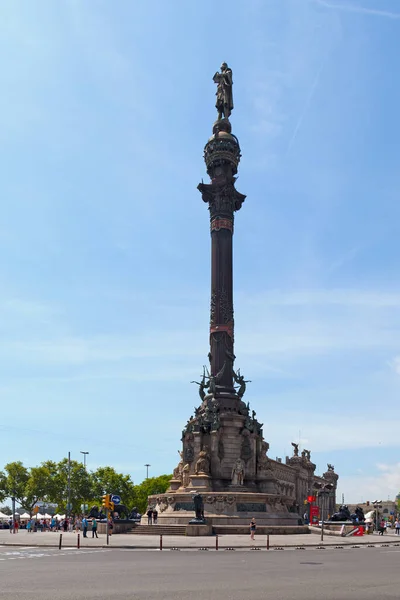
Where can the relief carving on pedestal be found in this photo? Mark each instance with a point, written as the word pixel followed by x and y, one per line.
pixel 189 454
pixel 246 452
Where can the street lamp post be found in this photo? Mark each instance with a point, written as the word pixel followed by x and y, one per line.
pixel 69 484
pixel 324 491
pixel 84 457
pixel 13 511
pixel 376 505
pixel 84 466
pixel 147 470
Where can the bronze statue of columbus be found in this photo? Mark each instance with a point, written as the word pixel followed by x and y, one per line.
pixel 224 103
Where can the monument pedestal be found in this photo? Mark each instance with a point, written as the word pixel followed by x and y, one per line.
pixel 175 484
pixel 224 508
pixel 198 530
pixel 201 482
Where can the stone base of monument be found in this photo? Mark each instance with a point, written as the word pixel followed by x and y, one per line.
pixel 201 482
pixel 198 529
pixel 223 508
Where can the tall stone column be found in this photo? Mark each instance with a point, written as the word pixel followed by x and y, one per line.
pixel 222 156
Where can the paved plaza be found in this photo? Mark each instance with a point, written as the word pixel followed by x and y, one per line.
pixel 23 538
pixel 94 574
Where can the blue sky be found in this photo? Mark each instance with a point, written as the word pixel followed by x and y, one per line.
pixel 104 239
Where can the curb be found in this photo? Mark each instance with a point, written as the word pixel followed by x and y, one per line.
pixel 239 547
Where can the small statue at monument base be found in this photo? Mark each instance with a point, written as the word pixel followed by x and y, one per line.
pixel 199 510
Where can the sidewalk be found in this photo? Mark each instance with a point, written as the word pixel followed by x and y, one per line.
pixel 23 538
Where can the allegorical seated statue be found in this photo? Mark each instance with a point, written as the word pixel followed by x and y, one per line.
pixel 238 472
pixel 203 463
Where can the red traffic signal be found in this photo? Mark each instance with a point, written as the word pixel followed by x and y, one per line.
pixel 311 498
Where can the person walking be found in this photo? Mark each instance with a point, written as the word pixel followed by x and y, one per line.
pixel 397 526
pixel 150 516
pixel 382 527
pixel 85 526
pixel 252 528
pixel 94 528
pixel 29 526
pixel 16 525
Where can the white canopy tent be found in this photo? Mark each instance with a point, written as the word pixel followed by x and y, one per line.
pixel 4 517
pixel 25 515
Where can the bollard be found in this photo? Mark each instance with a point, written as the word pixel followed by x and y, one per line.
pixel 79 541
pixel 160 541
pixel 268 541
pixel 216 542
pixel 60 542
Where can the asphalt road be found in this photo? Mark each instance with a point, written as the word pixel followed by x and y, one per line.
pixel 330 574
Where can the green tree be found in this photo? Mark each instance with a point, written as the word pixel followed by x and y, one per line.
pixel 106 480
pixel 148 487
pixel 6 510
pixel 81 484
pixel 27 486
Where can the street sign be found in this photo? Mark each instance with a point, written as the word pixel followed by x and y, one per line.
pixel 36 510
pixel 116 499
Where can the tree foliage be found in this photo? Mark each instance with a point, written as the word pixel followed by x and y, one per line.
pixel 48 482
pixel 148 487
pixel 27 486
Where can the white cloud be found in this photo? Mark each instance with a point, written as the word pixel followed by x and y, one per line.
pixel 356 8
pixel 395 364
pixel 326 433
pixel 371 487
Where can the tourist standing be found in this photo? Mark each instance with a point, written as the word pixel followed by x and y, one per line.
pixel 382 527
pixel 94 528
pixel 252 528
pixel 150 516
pixel 77 525
pixel 155 515
pixel 397 526
pixel 85 526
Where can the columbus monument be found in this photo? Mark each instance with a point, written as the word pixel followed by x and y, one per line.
pixel 224 456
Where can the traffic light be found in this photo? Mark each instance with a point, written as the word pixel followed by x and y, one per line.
pixel 111 506
pixel 106 501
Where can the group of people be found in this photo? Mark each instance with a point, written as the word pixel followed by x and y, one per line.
pixel 152 516
pixel 384 525
pixel 76 524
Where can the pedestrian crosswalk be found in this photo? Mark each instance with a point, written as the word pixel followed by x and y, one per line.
pixel 37 553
